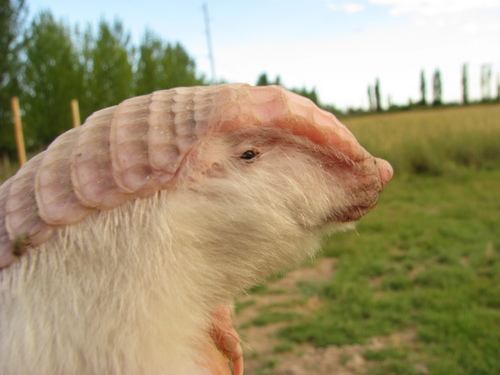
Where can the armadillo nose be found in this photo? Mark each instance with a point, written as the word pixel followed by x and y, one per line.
pixel 385 170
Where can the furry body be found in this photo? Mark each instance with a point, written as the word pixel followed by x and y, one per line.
pixel 129 290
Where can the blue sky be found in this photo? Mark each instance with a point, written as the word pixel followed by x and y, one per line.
pixel 337 46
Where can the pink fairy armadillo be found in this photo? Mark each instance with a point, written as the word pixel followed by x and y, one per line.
pixel 122 243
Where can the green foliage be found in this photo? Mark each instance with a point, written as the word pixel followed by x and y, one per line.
pixel 378 100
pixel 423 89
pixel 263 80
pixel 51 79
pixel 465 84
pixel 12 13
pixel 163 66
pixel 107 68
pixel 270 317
pixel 437 88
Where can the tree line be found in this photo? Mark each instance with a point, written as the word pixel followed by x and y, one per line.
pixel 486 79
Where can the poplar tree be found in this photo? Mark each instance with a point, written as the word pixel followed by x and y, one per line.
pixel 378 103
pixel 423 88
pixel 437 88
pixel 262 80
pixel 465 84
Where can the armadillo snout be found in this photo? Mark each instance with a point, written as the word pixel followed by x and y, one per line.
pixel 385 170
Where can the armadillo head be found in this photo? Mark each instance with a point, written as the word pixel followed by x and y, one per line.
pixel 245 158
pixel 273 140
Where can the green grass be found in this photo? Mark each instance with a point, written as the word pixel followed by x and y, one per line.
pixel 427 259
pixel 270 317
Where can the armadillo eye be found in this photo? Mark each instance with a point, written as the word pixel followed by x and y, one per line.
pixel 248 155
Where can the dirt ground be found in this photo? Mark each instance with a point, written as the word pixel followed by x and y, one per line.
pixel 259 342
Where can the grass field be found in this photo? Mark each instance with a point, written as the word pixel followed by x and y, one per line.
pixel 425 261
pixel 424 264
pixel 435 142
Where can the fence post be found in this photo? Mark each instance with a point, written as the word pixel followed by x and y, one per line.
pixel 75 112
pixel 18 130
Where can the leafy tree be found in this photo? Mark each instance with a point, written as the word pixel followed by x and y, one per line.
pixel 423 88
pixel 180 69
pixel 150 71
pixel 262 80
pixel 437 88
pixel 465 84
pixel 378 103
pixel 51 80
pixel 107 67
pixel 163 66
pixel 12 14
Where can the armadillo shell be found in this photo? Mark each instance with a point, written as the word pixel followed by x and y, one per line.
pixel 137 147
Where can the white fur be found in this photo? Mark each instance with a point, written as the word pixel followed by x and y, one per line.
pixel 130 290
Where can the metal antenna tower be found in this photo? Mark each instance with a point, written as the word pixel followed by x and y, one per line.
pixel 209 42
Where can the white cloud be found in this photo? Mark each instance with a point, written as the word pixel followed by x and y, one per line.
pixel 433 8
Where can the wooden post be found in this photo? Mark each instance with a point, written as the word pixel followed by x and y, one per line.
pixel 75 112
pixel 18 129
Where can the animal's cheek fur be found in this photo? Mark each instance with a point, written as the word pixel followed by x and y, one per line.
pixel 294 184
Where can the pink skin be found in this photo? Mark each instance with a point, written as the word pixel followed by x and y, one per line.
pixel 144 144
pixel 227 342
